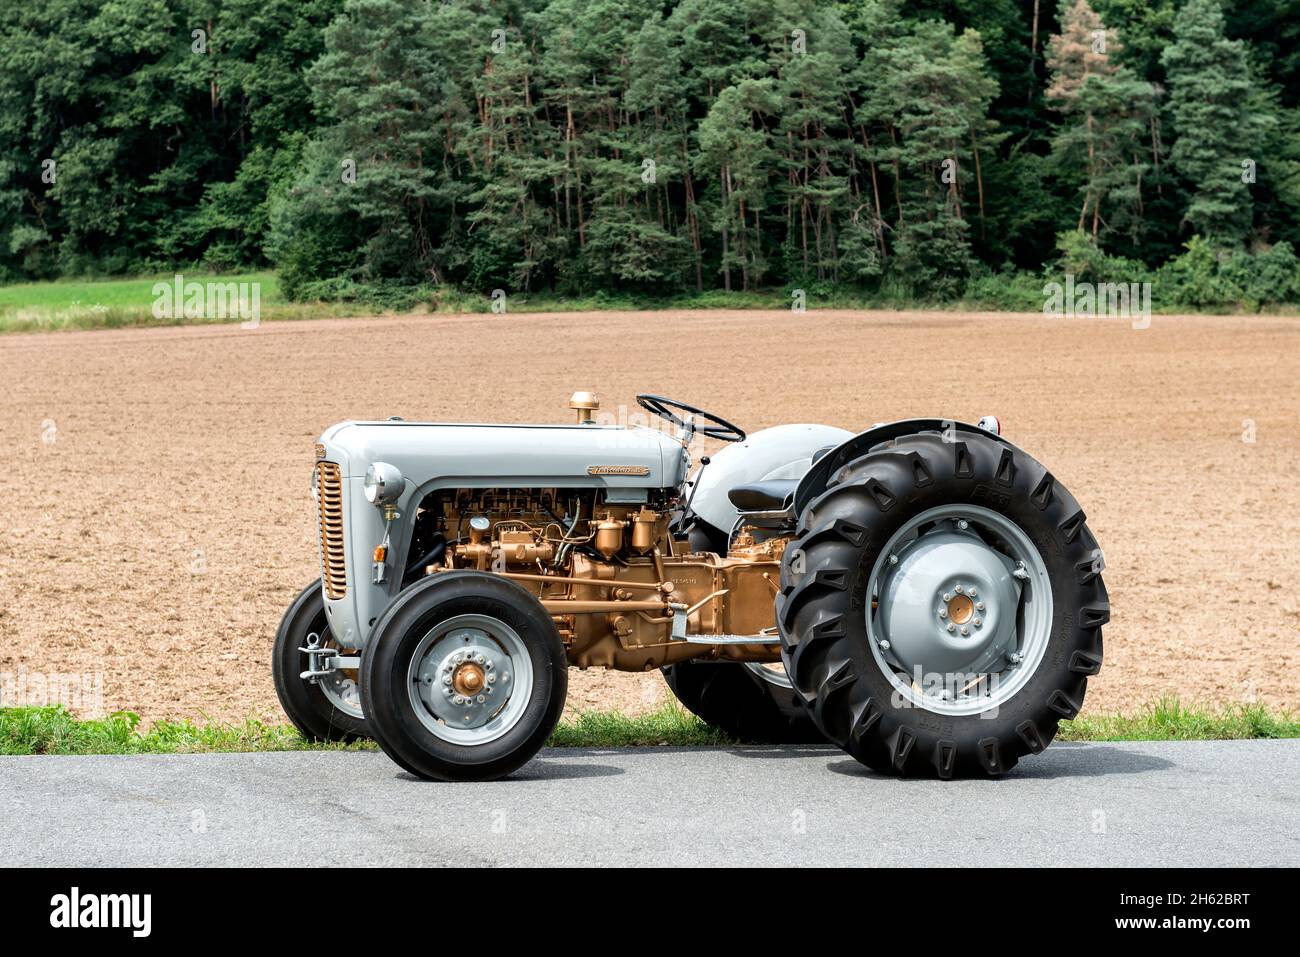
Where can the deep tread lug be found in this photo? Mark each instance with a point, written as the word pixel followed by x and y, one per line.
pixel 964 466
pixel 1006 472
pixel 945 759
pixel 1070 527
pixel 882 496
pixel 839 679
pixel 1085 663
pixel 836 578
pixel 830 628
pixel 1094 616
pixel 990 755
pixel 1041 496
pixel 1063 704
pixel 1087 571
pixel 851 532
pixel 921 474
pixel 864 719
pixel 1028 733
pixel 900 747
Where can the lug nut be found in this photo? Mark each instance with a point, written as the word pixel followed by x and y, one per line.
pixel 965 631
pixel 884 644
pixel 963 524
pixel 491 679
pixel 947 596
pixel 959 589
pixel 951 627
pixel 979 622
pixel 1015 657
pixel 893 559
pixel 943 612
pixel 446 679
pixel 481 699
pixel 972 591
pixel 979 606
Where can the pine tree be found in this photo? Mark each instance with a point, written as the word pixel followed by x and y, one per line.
pixel 1209 99
pixel 1108 111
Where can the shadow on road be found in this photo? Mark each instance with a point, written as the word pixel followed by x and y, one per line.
pixel 1061 762
pixel 538 769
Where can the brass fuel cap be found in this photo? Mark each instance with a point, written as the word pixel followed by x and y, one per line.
pixel 585 405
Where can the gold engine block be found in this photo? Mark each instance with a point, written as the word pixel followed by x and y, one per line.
pixel 616 580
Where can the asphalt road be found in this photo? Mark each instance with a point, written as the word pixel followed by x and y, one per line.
pixel 1112 805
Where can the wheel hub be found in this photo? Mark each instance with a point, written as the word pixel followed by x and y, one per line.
pixel 469 679
pixel 962 609
pixel 461 678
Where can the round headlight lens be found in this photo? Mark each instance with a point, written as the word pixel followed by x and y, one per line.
pixel 383 484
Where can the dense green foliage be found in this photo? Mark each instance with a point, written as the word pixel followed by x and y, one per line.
pixel 378 150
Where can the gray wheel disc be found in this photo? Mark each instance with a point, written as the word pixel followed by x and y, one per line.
pixel 470 679
pixel 961 610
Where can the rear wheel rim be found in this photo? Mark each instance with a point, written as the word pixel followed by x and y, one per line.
pixel 771 672
pixel 470 679
pixel 961 610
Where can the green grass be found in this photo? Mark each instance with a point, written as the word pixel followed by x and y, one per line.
pixel 1169 720
pixel 671 725
pixel 53 730
pixel 114 303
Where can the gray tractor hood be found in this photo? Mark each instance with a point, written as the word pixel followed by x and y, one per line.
pixel 437 454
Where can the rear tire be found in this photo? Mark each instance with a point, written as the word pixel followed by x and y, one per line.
pixel 312 711
pixel 748 706
pixel 831 585
pixel 464 677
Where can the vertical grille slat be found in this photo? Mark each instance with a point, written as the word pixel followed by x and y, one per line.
pixel 333 560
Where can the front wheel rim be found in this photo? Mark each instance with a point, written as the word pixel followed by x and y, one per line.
pixel 470 679
pixel 961 610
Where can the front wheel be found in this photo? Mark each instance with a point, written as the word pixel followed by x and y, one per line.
pixel 327 708
pixel 464 677
pixel 941 609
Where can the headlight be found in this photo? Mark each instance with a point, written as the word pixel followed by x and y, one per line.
pixel 384 484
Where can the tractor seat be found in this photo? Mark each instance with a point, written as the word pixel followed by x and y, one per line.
pixel 774 495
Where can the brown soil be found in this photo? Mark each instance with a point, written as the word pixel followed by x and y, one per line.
pixel 159 536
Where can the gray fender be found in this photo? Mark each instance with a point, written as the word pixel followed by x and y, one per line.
pixel 815 479
pixel 781 452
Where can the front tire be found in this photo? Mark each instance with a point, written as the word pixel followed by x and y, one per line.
pixel 321 712
pixel 941 609
pixel 464 677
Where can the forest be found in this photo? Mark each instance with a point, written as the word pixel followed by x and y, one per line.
pixel 390 151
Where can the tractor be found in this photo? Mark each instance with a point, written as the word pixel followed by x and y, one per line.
pixel 922 594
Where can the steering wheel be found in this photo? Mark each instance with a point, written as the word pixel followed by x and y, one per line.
pixel 667 409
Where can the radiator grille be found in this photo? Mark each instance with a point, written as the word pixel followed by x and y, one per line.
pixel 333 561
